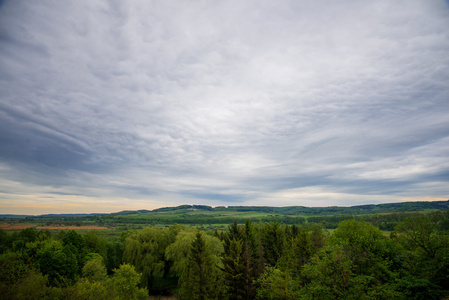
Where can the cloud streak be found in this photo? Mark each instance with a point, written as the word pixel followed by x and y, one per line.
pixel 150 104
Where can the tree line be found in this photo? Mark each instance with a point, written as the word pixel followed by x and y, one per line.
pixel 254 260
pixel 385 216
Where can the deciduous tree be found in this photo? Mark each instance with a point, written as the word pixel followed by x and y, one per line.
pixel 125 283
pixel 145 250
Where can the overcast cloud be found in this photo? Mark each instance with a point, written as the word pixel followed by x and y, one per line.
pixel 113 105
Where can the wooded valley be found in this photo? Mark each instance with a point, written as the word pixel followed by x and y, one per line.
pixel 245 260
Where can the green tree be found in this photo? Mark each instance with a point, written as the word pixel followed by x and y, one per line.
pixel 197 261
pixel 57 261
pixel 33 285
pixel 412 288
pixel 421 233
pixel 19 280
pixel 125 283
pixel 74 238
pixel 145 250
pixel 252 259
pixel 366 246
pixel 299 253
pixel 249 273
pixel 28 235
pixel 234 269
pixel 114 248
pixel 425 250
pixel 94 243
pixel 318 235
pixel 274 284
pixel 273 242
pixel 84 289
pixel 234 232
pixel 5 241
pixel 12 267
pixel 200 279
pixel 178 252
pixel 329 276
pixel 250 237
pixel 75 244
pixel 94 269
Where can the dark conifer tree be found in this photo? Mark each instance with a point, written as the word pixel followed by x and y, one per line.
pixel 273 242
pixel 234 232
pixel 251 239
pixel 200 280
pixel 234 269
pixel 249 289
pixel 260 263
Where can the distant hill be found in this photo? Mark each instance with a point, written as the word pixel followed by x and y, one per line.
pixel 386 216
pixel 303 210
pixel 286 211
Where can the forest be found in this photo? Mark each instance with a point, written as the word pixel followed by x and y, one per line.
pixel 248 260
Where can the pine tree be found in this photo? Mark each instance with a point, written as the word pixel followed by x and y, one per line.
pixel 234 232
pixel 250 238
pixel 199 282
pixel 234 269
pixel 300 251
pixel 273 242
pixel 260 265
pixel 249 289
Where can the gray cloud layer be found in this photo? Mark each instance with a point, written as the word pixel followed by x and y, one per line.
pixel 107 105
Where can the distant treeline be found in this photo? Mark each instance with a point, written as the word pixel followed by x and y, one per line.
pixel 386 222
pixel 385 216
pixel 298 210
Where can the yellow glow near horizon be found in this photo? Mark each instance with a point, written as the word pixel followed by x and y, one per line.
pixel 47 203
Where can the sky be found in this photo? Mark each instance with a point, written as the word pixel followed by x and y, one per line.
pixel 122 105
